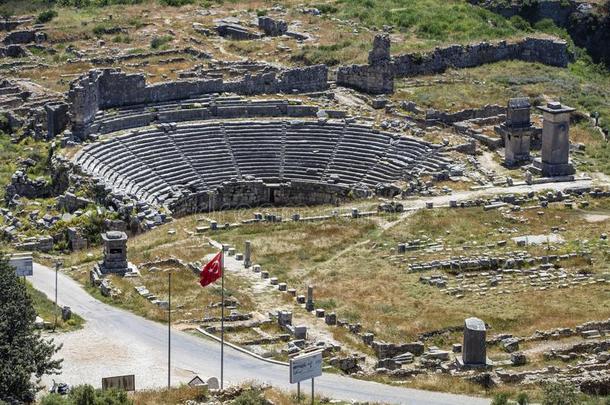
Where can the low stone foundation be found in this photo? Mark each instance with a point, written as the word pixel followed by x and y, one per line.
pixel 243 194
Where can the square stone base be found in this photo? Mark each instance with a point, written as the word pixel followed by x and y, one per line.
pixel 460 363
pixel 552 170
pixel 128 271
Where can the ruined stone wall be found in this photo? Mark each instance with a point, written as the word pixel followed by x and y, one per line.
pixel 84 101
pixel 110 88
pixel 366 78
pixel 547 51
pixel 489 110
pixel 253 193
pixel 378 78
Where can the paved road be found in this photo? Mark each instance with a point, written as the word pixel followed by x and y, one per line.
pixel 117 342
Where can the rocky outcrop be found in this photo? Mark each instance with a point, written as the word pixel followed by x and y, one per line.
pixel 24 37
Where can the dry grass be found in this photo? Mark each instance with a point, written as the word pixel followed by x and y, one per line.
pixel 397 306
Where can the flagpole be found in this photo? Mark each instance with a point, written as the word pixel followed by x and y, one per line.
pixel 222 319
pixel 169 331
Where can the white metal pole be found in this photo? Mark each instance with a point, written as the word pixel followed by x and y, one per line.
pixel 169 331
pixel 222 319
pixel 56 307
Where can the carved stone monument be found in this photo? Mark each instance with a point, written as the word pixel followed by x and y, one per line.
pixel 474 351
pixel 309 304
pixel 248 254
pixel 115 254
pixel 517 131
pixel 555 152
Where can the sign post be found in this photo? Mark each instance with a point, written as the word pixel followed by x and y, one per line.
pixel 58 264
pixel 305 367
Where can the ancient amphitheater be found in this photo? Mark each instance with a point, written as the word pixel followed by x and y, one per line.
pixel 417 193
pixel 214 151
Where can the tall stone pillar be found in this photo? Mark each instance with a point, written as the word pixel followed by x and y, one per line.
pixel 309 303
pixel 474 351
pixel 555 152
pixel 248 254
pixel 516 131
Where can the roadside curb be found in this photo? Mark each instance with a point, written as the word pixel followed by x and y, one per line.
pixel 241 349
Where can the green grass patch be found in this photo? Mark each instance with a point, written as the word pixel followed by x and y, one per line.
pixel 46 309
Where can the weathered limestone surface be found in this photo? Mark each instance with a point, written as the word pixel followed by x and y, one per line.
pixel 23 186
pixel 474 349
pixel 236 31
pixel 517 131
pixel 115 253
pixel 377 77
pixel 555 151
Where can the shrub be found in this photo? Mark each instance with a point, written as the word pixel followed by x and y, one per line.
pixel 53 399
pixel 556 393
pixel 523 399
pixel 326 8
pixel 175 3
pixel 158 42
pixel 520 23
pixel 500 399
pixel 250 397
pixel 261 13
pixel 87 395
pixel 46 16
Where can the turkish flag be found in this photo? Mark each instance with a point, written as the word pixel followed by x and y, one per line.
pixel 211 271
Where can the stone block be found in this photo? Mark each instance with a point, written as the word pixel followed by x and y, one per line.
pixel 474 347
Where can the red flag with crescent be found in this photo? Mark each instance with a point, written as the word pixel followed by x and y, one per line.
pixel 211 271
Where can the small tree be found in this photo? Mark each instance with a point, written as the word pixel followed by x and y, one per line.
pixel 23 351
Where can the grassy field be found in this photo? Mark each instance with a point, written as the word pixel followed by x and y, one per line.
pixel 46 309
pixel 339 258
pixel 347 259
pixel 189 300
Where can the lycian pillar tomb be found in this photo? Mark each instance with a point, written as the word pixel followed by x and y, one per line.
pixel 517 131
pixel 555 152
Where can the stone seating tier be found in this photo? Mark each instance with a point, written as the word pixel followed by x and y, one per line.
pixel 153 162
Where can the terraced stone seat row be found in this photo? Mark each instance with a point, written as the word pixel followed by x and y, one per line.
pixel 198 108
pixel 153 162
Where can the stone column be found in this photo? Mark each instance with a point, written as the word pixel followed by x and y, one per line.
pixel 517 131
pixel 309 303
pixel 248 254
pixel 555 151
pixel 474 349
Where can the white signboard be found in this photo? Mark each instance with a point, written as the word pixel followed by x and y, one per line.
pixel 305 367
pixel 22 264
